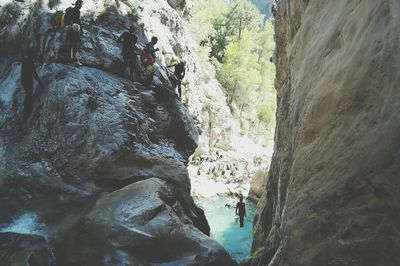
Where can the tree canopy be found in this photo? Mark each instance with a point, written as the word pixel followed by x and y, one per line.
pixel 240 44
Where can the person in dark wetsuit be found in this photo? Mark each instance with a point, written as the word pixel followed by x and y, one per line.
pixel 241 211
pixel 128 49
pixel 73 28
pixel 27 74
pixel 179 74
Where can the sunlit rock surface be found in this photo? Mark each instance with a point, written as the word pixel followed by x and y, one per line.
pixel 257 185
pixel 91 134
pixel 333 192
pixel 201 91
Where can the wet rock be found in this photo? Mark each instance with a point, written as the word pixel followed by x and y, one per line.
pixel 25 250
pixel 142 223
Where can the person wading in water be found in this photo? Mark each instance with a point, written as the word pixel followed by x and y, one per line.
pixel 241 210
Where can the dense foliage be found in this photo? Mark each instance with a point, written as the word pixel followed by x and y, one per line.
pixel 240 44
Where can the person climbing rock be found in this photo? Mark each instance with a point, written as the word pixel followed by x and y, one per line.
pixel 73 29
pixel 151 49
pixel 73 40
pixel 128 40
pixel 148 59
pixel 28 72
pixel 179 74
pixel 241 210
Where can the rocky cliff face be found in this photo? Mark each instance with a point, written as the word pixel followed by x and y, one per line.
pixel 97 174
pixel 333 192
pixel 203 95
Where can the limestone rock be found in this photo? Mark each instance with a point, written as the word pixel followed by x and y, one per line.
pixel 25 250
pixel 141 224
pixel 257 185
pixel 333 192
pixel 92 132
pixel 177 3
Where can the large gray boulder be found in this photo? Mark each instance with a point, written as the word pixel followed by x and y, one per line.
pixel 140 224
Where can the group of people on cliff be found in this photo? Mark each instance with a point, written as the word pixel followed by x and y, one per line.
pixel 71 23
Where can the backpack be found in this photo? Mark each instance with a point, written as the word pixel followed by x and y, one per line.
pixel 66 18
pixel 146 58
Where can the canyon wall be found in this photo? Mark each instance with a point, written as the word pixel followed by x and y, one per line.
pixel 333 192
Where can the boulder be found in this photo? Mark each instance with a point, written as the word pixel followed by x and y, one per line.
pixel 258 184
pixel 143 223
pixel 177 3
pixel 25 250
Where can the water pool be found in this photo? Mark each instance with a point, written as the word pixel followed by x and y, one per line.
pixel 225 226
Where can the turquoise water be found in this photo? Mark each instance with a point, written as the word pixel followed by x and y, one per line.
pixel 225 226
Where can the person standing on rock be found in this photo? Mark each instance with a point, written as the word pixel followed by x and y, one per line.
pixel 148 59
pixel 129 40
pixel 151 49
pixel 28 72
pixel 73 29
pixel 179 74
pixel 241 210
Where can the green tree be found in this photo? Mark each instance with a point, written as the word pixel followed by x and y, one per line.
pixel 204 13
pixel 242 15
pixel 239 73
pixel 240 49
pixel 229 25
pixel 219 38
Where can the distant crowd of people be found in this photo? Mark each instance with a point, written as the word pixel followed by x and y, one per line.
pixel 215 166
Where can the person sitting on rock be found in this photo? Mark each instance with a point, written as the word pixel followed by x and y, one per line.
pixel 128 49
pixel 179 74
pixel 73 29
pixel 28 72
pixel 241 210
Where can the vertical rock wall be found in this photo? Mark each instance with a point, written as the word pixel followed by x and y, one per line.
pixel 333 191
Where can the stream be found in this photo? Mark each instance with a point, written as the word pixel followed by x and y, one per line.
pixel 225 226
